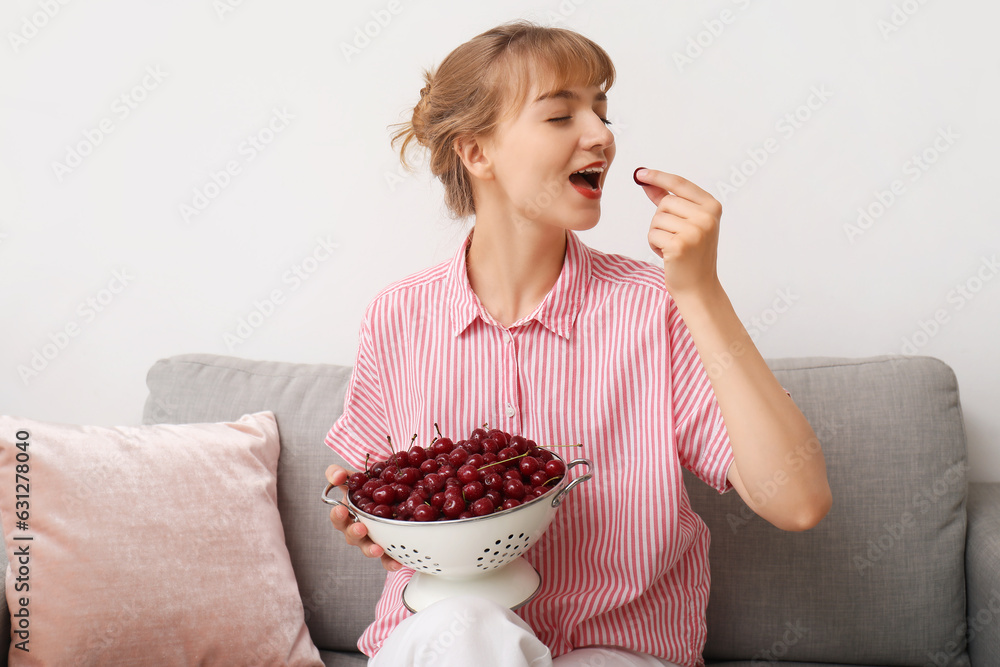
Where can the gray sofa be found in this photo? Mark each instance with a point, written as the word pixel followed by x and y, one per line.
pixel 904 567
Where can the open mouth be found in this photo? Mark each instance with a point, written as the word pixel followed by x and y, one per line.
pixel 587 178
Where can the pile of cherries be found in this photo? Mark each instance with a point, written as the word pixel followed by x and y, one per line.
pixel 489 472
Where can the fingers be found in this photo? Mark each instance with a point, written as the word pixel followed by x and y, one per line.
pixel 678 185
pixel 336 475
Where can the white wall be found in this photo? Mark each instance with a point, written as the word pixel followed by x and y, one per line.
pixel 888 82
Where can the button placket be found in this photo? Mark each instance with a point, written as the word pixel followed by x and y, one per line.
pixel 509 407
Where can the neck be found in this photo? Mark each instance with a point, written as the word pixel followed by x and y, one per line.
pixel 512 267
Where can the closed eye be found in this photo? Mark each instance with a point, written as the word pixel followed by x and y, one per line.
pixel 563 118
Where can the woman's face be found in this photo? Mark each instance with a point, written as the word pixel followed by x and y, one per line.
pixel 536 155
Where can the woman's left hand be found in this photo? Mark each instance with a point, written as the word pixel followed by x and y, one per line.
pixel 684 231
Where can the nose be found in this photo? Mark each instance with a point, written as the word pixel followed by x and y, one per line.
pixel 597 135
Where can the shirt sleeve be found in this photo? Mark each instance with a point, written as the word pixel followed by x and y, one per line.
pixel 362 427
pixel 702 439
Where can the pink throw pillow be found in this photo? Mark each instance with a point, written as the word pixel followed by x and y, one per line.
pixel 151 545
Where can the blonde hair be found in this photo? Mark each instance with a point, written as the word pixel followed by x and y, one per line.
pixel 486 80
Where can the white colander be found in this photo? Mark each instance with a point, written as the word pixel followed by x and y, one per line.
pixel 478 555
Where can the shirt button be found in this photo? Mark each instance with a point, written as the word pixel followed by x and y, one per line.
pixel 510 410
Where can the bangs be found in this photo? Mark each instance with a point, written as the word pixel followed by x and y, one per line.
pixel 551 60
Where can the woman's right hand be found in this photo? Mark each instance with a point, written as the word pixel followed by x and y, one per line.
pixel 354 531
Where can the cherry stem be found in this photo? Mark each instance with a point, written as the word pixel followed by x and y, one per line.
pixel 367 456
pixel 579 444
pixel 504 461
pixel 391 450
pixel 436 428
pixel 412 440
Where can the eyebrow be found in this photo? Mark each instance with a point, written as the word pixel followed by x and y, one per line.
pixel 567 95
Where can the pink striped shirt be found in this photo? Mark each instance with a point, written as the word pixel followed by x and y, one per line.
pixel 604 360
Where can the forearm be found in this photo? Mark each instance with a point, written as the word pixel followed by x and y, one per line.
pixel 781 472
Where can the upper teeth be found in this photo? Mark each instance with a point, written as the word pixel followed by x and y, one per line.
pixel 590 170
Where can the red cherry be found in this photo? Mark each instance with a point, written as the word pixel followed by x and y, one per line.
pixel 476 461
pixel 472 446
pixel 473 491
pixel 510 503
pixel 528 465
pixel 429 466
pixel 468 473
pixel 438 500
pixel 498 435
pixel 512 473
pixel 416 456
pixel 389 474
pixel 442 446
pixel 376 470
pixel 514 488
pixel 538 478
pixel 479 434
pixel 453 507
pixel 493 481
pixel 384 495
pixel 409 476
pixel 555 468
pixel 491 446
pixel 452 482
pixel 506 453
pixel 481 507
pixel 369 488
pixel 519 443
pixel 457 456
pixel 425 513
pixel 494 497
pixel 356 481
pixel 446 471
pixel 434 482
pixel 382 511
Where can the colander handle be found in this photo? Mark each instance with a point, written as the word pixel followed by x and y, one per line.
pixel 559 497
pixel 333 501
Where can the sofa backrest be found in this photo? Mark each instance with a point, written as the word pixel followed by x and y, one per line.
pixel 881 580
pixel 339 586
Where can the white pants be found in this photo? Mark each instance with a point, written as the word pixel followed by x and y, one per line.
pixel 467 630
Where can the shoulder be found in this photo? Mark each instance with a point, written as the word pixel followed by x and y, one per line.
pixel 612 271
pixel 412 289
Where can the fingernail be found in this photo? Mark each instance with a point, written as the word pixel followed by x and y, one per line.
pixel 635 174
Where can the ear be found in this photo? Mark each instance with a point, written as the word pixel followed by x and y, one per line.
pixel 471 151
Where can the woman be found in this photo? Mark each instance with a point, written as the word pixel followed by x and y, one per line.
pixel 528 329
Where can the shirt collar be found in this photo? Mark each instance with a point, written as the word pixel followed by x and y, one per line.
pixel 557 311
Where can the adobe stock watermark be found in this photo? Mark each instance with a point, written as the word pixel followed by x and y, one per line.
pixel 973 626
pixel 957 298
pixel 33 24
pixel 899 16
pixel 793 634
pixel 921 501
pixel 562 13
pixel 294 277
pixel 722 361
pixel 450 633
pixel 786 127
pixel 795 460
pixel 225 7
pixel 218 181
pixel 914 167
pixel 121 108
pixel 371 30
pixel 87 311
pixel 713 29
